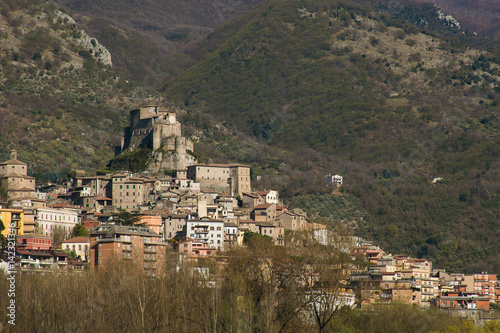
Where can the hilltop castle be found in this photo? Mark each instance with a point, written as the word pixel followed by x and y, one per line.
pixel 155 127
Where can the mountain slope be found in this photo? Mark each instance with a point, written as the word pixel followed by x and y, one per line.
pixel 61 104
pixel 147 38
pixel 481 16
pixel 400 105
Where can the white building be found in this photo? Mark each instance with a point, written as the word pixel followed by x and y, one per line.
pixel 206 230
pixel 187 185
pixel 50 220
pixel 335 179
pixel 81 246
pixel 269 197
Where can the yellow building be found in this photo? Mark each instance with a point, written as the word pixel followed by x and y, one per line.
pixel 12 218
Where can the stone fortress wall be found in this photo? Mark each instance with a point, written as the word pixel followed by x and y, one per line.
pixel 156 127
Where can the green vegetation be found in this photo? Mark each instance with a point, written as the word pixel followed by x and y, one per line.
pixel 261 288
pixel 67 107
pixel 79 230
pixel 135 161
pixel 342 87
pixel 125 218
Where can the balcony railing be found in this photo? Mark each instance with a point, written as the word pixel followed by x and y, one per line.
pixel 149 249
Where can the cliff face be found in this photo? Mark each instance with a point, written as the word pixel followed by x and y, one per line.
pixel 170 160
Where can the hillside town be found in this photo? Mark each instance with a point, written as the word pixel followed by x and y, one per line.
pixel 198 213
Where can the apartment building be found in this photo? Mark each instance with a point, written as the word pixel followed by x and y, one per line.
pixel 111 243
pixel 206 230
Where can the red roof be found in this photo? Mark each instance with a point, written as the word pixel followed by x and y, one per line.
pixel 62 205
pixel 80 239
pixel 263 206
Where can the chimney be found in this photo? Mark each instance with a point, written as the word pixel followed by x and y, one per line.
pixel 13 154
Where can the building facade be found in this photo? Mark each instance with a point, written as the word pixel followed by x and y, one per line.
pixel 13 221
pixel 51 221
pixel 127 192
pixel 143 246
pixel 15 180
pixel 231 179
pixel 206 230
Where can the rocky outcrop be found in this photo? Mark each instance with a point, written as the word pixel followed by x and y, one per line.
pixel 80 37
pixel 170 160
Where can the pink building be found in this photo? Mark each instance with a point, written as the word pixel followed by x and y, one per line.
pixel 152 222
pixel 34 242
pixel 193 248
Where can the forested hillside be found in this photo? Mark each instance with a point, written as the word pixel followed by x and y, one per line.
pixel 481 16
pixel 386 93
pixel 147 38
pixel 391 105
pixel 62 106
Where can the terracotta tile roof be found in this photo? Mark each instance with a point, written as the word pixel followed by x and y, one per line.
pixel 79 239
pixel 263 206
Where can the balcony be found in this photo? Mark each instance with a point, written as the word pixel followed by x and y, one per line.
pixel 127 249
pixel 124 239
pixel 150 249
pixel 200 237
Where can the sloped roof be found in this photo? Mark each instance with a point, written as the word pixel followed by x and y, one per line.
pixel 263 206
pixel 13 162
pixel 79 239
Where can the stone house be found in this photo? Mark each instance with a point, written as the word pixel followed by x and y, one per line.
pixel 264 213
pixel 293 221
pixel 15 180
pixel 231 179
